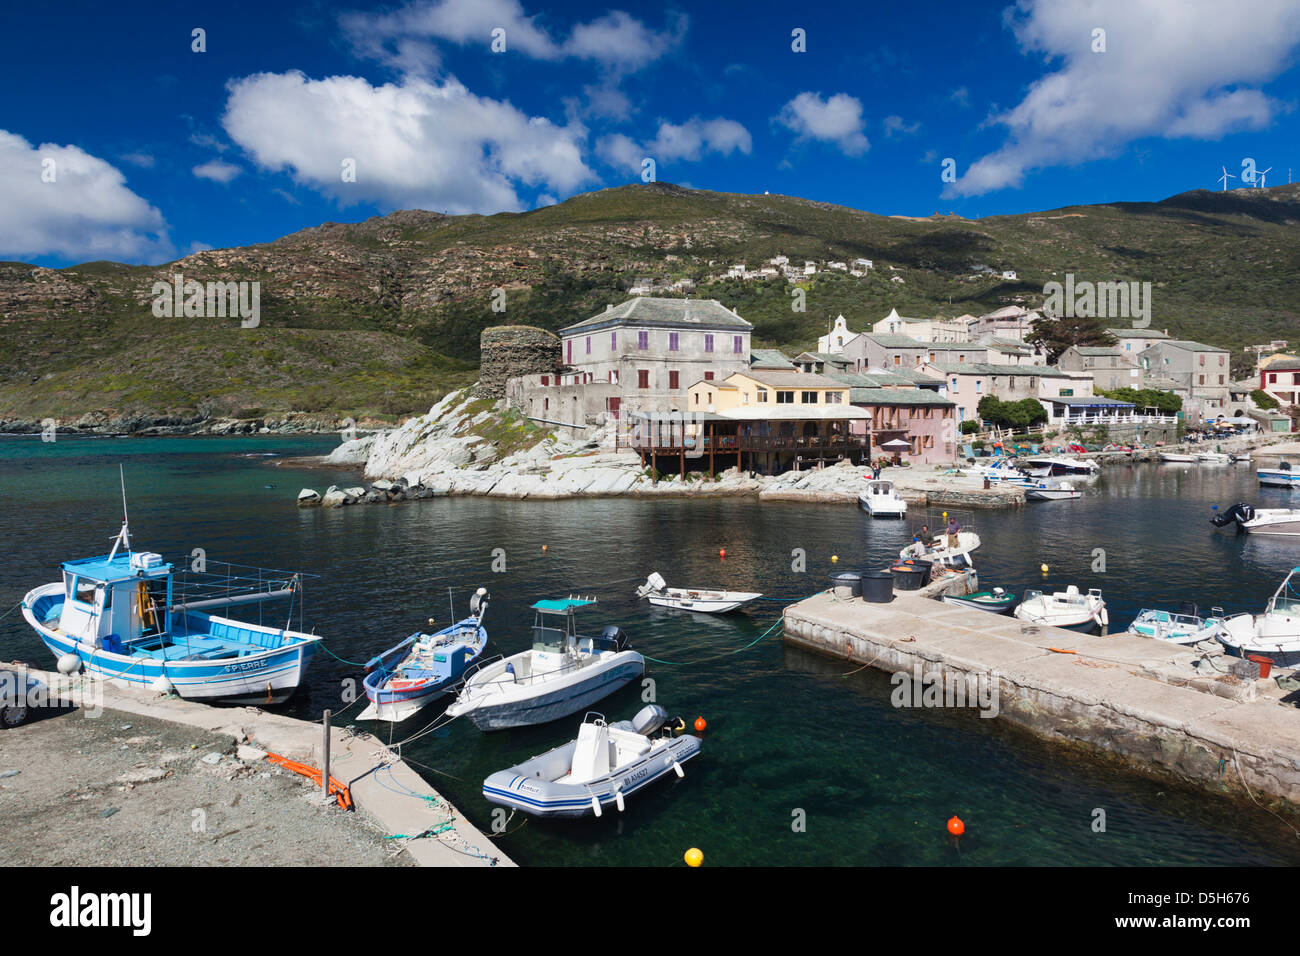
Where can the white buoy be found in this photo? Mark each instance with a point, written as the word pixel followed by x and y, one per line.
pixel 69 664
pixel 595 804
pixel 678 768
pixel 618 800
pixel 162 685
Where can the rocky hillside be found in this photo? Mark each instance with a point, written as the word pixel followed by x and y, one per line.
pixel 378 319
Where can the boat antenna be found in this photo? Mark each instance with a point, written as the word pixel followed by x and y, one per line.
pixel 451 603
pixel 123 536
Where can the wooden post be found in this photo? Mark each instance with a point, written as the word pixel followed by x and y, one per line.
pixel 325 759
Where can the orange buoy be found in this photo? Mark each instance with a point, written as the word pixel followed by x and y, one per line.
pixel 543 548
pixel 722 552
pixel 700 724
pixel 956 827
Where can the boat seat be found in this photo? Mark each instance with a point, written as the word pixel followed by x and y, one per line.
pixel 592 756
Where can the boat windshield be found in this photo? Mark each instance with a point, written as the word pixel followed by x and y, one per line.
pixel 550 639
pixel 1032 595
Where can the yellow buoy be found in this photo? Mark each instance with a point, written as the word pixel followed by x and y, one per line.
pixel 543 547
pixel 694 857
pixel 1043 568
pixel 834 558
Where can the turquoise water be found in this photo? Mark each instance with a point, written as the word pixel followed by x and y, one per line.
pixel 788 730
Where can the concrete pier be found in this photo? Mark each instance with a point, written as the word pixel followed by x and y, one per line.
pixel 1160 708
pixel 383 787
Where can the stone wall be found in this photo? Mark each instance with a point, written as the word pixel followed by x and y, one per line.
pixel 508 351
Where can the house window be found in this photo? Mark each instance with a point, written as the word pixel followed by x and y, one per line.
pixel 762 396
pixel 1220 360
pixel 834 398
pixel 695 399
pixel 785 398
pixel 546 380
pixel 643 340
pixel 961 358
pixel 710 398
pixel 708 376
pixel 1202 379
pixel 546 404
pixel 898 360
pixel 672 379
pixel 808 398
pixel 1031 382
pixel 672 341
pixel 708 343
pixel 737 344
pixel 613 341
pixel 1272 378
pixel 1220 379
pixel 569 355
pixel 979 386
pixel 643 378
pixel 1202 358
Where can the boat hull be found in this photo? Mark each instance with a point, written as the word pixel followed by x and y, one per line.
pixel 563 698
pixel 703 606
pixel 520 789
pixel 965 600
pixel 270 677
pixel 1279 479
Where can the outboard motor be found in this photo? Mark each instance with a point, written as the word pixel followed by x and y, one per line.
pixel 649 719
pixel 1239 512
pixel 613 637
pixel 1189 608
pixel 478 603
pixel 653 583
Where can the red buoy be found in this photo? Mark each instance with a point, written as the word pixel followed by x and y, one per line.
pixel 700 725
pixel 722 552
pixel 956 827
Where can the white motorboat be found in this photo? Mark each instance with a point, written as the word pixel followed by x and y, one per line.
pixel 1240 459
pixel 1043 467
pixel 1182 628
pixel 1000 469
pixel 1213 458
pixel 563 673
pixel 1283 476
pixel 943 550
pixel 1051 491
pixel 880 500
pixel 1175 458
pixel 704 600
pixel 1274 634
pixel 1068 608
pixel 604 765
pixel 1284 522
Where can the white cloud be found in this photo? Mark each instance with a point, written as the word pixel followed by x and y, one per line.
pixel 413 143
pixel 897 126
pixel 835 120
pixel 86 213
pixel 143 160
pixel 1169 70
pixel 960 96
pixel 217 170
pixel 686 142
pixel 406 38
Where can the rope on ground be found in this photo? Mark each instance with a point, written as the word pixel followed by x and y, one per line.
pixel 897 640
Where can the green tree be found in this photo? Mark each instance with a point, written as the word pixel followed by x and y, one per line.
pixel 1167 403
pixel 1056 335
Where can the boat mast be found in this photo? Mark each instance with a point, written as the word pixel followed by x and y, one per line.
pixel 123 536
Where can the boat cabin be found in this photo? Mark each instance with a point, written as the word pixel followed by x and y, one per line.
pixel 554 630
pixel 114 600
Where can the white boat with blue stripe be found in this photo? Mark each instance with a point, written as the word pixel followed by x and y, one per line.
pixel 563 673
pixel 129 618
pixel 603 766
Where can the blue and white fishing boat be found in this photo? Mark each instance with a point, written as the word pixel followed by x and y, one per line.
pixel 1185 627
pixel 603 766
pixel 403 679
pixel 1283 476
pixel 129 618
pixel 563 673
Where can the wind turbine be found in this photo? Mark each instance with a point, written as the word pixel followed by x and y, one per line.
pixel 1261 176
pixel 1225 177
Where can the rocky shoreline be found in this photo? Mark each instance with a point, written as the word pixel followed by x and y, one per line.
pixel 129 425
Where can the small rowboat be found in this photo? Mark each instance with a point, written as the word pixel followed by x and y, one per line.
pixel 704 600
pixel 408 676
pixel 997 601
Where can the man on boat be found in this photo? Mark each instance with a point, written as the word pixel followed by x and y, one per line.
pixel 953 529
pixel 924 541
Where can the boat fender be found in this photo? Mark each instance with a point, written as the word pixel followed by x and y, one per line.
pixel 69 664
pixel 618 800
pixel 677 768
pixel 595 804
pixel 162 685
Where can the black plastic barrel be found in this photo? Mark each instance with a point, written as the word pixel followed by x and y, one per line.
pixel 877 586
pixel 847 585
pixel 910 577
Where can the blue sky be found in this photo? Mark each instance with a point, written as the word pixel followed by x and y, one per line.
pixel 157 150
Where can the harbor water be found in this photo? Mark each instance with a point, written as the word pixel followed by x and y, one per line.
pixel 805 760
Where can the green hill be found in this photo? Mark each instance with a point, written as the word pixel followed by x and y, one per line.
pixel 379 318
